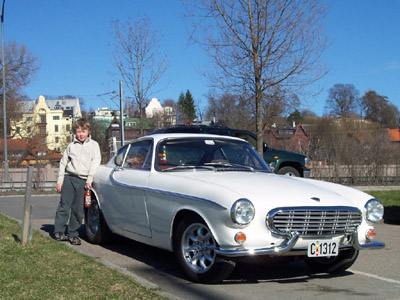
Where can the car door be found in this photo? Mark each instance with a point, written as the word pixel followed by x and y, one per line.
pixel 129 182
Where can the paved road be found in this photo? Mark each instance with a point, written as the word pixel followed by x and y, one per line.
pixel 375 275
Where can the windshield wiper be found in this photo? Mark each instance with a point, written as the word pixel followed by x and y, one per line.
pixel 182 167
pixel 229 165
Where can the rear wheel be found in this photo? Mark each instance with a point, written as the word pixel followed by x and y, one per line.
pixel 194 248
pixel 97 231
pixel 289 171
pixel 334 264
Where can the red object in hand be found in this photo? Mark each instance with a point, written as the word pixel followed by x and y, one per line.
pixel 88 198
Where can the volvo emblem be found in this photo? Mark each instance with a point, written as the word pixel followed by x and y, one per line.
pixel 315 199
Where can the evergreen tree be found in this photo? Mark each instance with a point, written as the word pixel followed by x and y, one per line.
pixel 186 107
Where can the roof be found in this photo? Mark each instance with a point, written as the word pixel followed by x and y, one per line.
pixel 33 146
pixel 394 135
pixel 64 104
pixel 160 136
pixel 14 145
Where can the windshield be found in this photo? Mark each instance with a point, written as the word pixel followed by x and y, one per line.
pixel 204 153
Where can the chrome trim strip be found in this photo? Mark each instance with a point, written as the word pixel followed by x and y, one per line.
pixel 278 250
pixel 145 189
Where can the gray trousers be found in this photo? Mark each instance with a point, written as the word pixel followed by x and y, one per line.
pixel 70 206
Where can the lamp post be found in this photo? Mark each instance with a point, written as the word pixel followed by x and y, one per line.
pixel 4 96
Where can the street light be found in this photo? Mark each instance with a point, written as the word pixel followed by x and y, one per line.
pixel 4 96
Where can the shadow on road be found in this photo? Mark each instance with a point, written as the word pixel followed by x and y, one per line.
pixel 247 271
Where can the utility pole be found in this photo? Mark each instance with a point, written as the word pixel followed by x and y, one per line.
pixel 4 96
pixel 121 112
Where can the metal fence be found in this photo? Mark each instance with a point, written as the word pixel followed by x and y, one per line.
pixel 44 178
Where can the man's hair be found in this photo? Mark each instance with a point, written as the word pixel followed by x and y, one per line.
pixel 81 123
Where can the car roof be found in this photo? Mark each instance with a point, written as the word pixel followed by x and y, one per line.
pixel 160 136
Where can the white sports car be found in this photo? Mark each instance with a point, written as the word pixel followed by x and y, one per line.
pixel 211 199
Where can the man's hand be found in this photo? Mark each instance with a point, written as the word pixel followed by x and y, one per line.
pixel 58 187
pixel 88 186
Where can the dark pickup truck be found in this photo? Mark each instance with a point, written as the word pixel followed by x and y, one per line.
pixel 280 161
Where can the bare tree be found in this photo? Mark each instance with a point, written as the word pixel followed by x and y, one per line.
pixel 379 109
pixel 259 44
pixel 342 100
pixel 20 67
pixel 136 55
pixel 231 110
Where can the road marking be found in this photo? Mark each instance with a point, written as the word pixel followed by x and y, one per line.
pixel 375 276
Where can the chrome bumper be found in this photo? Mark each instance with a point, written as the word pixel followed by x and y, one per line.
pixel 288 245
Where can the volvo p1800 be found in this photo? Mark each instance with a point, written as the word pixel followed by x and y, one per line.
pixel 212 199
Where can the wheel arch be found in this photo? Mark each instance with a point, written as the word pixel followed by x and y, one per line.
pixel 182 214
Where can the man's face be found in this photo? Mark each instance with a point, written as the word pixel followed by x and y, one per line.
pixel 81 134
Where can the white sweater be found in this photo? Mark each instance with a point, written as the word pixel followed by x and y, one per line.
pixel 80 159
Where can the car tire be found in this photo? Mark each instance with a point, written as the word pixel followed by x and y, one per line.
pixel 332 265
pixel 289 171
pixel 194 249
pixel 97 231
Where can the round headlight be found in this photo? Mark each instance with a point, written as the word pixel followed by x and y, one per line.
pixel 374 210
pixel 242 212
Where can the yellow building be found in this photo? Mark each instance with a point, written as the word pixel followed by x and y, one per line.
pixel 50 120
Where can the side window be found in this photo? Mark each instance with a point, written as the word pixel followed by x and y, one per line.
pixel 247 137
pixel 120 155
pixel 139 156
pixel 219 132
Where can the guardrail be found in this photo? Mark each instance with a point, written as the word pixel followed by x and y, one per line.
pixel 20 186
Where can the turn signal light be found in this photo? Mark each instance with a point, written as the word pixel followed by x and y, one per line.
pixel 240 237
pixel 371 234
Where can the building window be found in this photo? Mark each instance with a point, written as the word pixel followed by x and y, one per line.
pixel 57 139
pixel 41 153
pixel 67 127
pixel 28 119
pixel 68 139
pixel 43 130
pixel 56 128
pixel 28 129
pixel 17 130
pixel 42 118
pixel 56 117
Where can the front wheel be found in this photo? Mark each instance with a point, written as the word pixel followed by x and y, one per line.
pixel 289 171
pixel 334 264
pixel 97 231
pixel 194 249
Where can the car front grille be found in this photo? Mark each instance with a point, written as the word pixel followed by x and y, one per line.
pixel 314 221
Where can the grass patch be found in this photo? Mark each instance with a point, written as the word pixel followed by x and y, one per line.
pixel 46 269
pixel 388 198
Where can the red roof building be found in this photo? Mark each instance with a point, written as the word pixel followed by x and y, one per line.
pixel 22 152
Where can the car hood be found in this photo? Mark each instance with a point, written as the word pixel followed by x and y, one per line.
pixel 276 190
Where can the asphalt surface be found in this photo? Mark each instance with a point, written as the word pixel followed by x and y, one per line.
pixel 375 274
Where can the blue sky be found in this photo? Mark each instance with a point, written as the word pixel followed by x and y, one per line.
pixel 71 39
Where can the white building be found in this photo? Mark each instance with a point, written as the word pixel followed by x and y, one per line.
pixel 163 116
